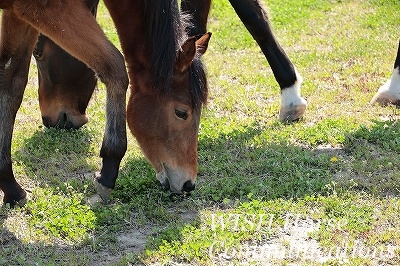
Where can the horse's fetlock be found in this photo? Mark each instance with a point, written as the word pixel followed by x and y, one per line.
pixel 113 150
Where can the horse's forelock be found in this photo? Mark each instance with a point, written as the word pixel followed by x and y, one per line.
pixel 198 84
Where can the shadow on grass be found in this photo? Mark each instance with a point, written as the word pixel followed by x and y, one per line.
pixel 240 163
pixel 372 162
pixel 54 156
pixel 14 251
pixel 54 159
pixel 57 160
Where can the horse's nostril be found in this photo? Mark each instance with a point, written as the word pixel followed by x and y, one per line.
pixel 188 186
pixel 45 121
pixel 65 122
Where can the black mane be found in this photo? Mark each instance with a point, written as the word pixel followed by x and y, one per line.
pixel 163 32
pixel 166 33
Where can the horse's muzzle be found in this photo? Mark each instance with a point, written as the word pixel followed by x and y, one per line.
pixel 65 121
pixel 172 180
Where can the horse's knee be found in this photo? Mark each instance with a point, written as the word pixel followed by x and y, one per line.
pixel 113 72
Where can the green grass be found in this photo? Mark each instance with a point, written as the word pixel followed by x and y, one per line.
pixel 331 180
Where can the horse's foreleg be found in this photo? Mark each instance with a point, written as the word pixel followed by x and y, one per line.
pixel 389 93
pixel 198 9
pixel 256 21
pixel 17 42
pixel 78 33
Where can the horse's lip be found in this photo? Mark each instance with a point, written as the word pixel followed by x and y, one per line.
pixel 163 177
pixel 166 186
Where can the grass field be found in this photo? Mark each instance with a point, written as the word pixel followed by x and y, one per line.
pixel 322 191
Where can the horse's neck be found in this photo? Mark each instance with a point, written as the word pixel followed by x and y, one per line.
pixel 132 37
pixel 147 31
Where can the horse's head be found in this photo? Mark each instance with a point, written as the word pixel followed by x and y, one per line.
pixel 65 86
pixel 65 83
pixel 166 124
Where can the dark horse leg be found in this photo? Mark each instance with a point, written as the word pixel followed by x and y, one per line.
pixel 198 9
pixel 77 32
pixel 389 93
pixel 256 21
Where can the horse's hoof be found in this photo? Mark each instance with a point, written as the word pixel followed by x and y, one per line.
pixel 103 194
pixel 293 112
pixel 385 98
pixel 95 201
pixel 22 202
pixel 14 203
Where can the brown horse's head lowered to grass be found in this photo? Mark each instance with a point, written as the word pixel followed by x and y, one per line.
pixel 65 83
pixel 168 89
pixel 166 126
pixel 65 86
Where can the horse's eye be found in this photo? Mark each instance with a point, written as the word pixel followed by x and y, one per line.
pixel 181 114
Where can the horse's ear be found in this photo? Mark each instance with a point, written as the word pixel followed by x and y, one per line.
pixel 202 43
pixel 186 54
pixel 188 51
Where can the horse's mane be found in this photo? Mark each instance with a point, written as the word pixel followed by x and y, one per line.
pixel 163 29
pixel 166 33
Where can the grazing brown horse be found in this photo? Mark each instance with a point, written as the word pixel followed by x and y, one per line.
pixel 167 80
